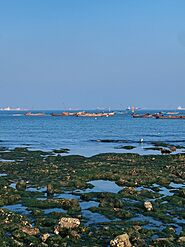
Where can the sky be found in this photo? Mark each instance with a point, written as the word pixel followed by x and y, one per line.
pixel 59 54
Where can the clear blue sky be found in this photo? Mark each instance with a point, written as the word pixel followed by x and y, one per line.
pixel 89 53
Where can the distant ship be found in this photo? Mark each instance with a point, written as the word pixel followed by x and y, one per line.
pixel 10 109
pixel 180 108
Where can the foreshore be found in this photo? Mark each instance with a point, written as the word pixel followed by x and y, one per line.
pixel 48 199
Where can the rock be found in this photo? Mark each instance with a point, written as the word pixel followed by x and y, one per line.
pixel 148 205
pixel 165 151
pixel 121 241
pixel 75 234
pixel 69 223
pixel 21 185
pixel 30 231
pixel 173 148
pixel 57 230
pixel 50 190
pixel 181 239
pixel 45 236
pixel 66 223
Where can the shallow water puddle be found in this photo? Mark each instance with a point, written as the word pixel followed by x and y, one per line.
pixel 176 186
pixel 152 223
pixel 102 186
pixel 66 196
pixel 3 160
pixel 94 217
pixel 163 190
pixel 54 210
pixel 32 189
pixel 3 174
pixel 140 188
pixel 85 205
pixel 142 218
pixel 18 208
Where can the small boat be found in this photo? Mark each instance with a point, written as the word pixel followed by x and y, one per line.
pixel 101 114
pixel 56 114
pixel 83 114
pixel 146 115
pixel 180 108
pixel 39 114
pixel 170 117
pixel 63 114
pixel 172 113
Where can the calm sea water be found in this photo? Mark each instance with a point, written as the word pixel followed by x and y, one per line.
pixel 79 133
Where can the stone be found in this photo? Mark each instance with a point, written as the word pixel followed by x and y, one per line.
pixel 50 190
pixel 173 148
pixel 45 236
pixel 21 185
pixel 121 241
pixel 181 239
pixel 148 205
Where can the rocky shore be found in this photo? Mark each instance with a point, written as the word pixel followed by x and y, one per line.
pixel 47 199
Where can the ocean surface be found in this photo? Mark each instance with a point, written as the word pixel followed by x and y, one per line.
pixel 82 135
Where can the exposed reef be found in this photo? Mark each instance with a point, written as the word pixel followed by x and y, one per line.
pixel 47 199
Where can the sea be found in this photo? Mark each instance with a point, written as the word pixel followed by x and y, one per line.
pixel 89 136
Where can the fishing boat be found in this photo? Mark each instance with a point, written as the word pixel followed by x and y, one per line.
pixel 170 117
pixel 146 115
pixel 83 114
pixel 63 114
pixel 101 114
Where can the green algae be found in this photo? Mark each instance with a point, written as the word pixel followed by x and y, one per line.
pixel 38 174
pixel 125 147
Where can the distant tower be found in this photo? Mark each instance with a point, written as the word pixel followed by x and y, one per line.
pixel 133 109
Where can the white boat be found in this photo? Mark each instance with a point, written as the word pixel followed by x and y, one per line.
pixel 181 108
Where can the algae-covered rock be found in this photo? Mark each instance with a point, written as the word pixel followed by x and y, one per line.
pixel 21 185
pixel 121 241
pixel 50 189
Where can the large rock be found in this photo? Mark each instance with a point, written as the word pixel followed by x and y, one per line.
pixel 121 241
pixel 67 223
pixel 148 205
